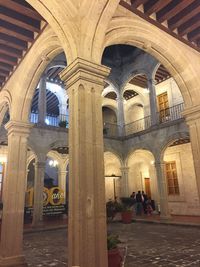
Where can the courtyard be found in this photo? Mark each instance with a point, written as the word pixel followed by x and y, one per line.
pixel 148 244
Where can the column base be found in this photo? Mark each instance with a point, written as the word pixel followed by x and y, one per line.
pixel 17 261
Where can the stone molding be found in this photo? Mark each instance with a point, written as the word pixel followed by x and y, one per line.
pixel 18 127
pixel 191 114
pixel 81 69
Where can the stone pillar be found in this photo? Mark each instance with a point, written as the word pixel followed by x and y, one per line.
pixel 11 247
pixel 87 235
pixel 42 101
pixel 153 101
pixel 162 190
pixel 192 116
pixel 38 193
pixel 120 115
pixel 124 181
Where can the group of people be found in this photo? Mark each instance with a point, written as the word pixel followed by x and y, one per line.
pixel 142 203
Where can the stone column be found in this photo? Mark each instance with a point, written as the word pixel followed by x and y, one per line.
pixel 87 235
pixel 124 181
pixel 192 116
pixel 153 101
pixel 42 101
pixel 120 115
pixel 162 190
pixel 11 250
pixel 38 193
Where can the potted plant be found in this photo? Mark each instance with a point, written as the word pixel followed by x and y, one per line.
pixel 112 208
pixel 114 255
pixel 63 124
pixel 127 209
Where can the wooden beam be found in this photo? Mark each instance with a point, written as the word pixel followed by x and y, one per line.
pixel 4 72
pixel 5 67
pixel 189 26
pixel 10 51
pixel 21 9
pixel 157 24
pixel 171 10
pixel 154 6
pixel 19 23
pixel 12 42
pixel 7 59
pixel 12 30
pixel 195 35
pixel 137 3
pixel 186 14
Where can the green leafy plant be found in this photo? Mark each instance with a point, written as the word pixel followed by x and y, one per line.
pixel 127 203
pixel 63 124
pixel 112 207
pixel 112 241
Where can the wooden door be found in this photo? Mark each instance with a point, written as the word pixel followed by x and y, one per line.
pixel 147 186
pixel 163 106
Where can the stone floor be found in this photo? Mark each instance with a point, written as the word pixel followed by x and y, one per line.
pixel 148 245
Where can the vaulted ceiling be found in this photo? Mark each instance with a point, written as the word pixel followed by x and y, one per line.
pixel 20 25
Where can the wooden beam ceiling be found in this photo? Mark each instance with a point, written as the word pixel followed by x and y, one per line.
pixel 19 26
pixel 179 18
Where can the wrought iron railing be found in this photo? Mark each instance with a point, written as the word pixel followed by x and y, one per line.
pixel 114 130
pixel 171 113
pixel 111 129
pixel 138 126
pixel 52 120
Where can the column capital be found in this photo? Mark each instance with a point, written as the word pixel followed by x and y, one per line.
pixel 191 114
pixel 159 163
pixel 124 168
pixel 151 80
pixel 81 69
pixel 18 127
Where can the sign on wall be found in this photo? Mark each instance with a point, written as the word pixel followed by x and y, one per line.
pixel 53 201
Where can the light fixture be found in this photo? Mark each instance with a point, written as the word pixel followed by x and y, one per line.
pixel 3 159
pixel 53 163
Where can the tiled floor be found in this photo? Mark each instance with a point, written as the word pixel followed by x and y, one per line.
pixel 148 245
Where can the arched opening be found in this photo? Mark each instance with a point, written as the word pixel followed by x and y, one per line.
pixel 142 175
pixel 180 177
pixel 112 174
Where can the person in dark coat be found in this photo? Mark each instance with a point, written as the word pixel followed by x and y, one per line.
pixel 144 203
pixel 139 201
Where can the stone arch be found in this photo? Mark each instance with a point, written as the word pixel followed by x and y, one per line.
pixel 135 31
pixel 55 14
pixel 131 75
pixel 108 104
pixel 169 140
pixel 115 153
pixel 145 147
pixel 5 104
pixel 45 48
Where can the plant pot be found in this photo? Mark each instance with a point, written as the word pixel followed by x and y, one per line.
pixel 114 258
pixel 127 216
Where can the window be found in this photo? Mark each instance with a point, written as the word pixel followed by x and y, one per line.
pixel 163 106
pixel 172 179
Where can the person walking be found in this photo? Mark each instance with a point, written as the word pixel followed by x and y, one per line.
pixel 139 201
